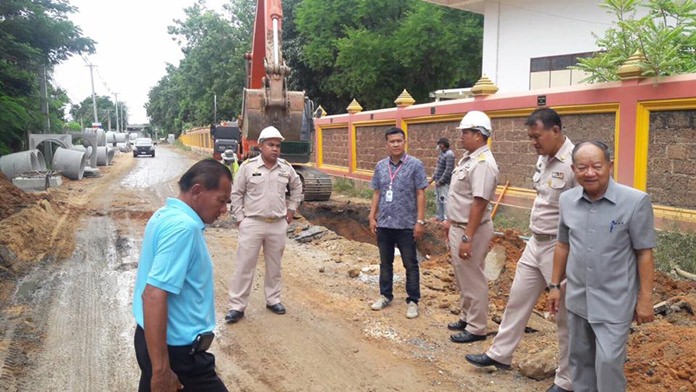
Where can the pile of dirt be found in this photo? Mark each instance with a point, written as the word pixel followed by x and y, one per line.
pixel 12 199
pixel 661 355
pixel 32 230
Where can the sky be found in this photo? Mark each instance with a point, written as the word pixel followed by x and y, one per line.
pixel 133 48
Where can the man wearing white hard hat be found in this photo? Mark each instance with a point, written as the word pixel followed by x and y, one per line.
pixel 229 159
pixel 262 212
pixel 469 226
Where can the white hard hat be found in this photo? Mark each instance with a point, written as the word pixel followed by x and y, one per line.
pixel 478 121
pixel 228 155
pixel 270 133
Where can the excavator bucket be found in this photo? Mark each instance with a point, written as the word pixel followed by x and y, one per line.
pixel 257 114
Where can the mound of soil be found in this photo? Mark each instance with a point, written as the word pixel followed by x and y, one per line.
pixel 12 199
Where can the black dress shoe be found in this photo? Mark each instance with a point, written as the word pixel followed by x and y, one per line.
pixel 277 308
pixel 233 316
pixel 458 325
pixel 556 388
pixel 483 360
pixel 466 337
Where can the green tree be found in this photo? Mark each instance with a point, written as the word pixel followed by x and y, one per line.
pixel 665 36
pixel 34 37
pixel 373 49
pixel 212 70
pixel 83 113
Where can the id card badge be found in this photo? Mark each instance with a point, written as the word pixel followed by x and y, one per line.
pixel 388 196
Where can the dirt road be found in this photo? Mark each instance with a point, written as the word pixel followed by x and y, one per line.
pixel 67 326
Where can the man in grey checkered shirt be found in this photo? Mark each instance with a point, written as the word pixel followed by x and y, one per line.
pixel 442 177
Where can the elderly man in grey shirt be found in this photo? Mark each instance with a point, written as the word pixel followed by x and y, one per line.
pixel 396 216
pixel 605 247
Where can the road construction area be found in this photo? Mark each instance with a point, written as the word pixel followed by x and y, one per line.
pixel 68 259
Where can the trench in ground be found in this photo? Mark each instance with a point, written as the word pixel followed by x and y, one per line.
pixel 350 220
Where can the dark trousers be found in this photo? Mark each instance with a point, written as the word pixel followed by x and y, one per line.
pixel 403 239
pixel 196 372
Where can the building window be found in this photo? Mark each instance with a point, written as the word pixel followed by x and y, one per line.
pixel 554 71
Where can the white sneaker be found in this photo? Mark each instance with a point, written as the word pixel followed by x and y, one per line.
pixel 381 303
pixel 412 311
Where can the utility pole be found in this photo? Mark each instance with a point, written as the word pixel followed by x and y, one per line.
pixel 214 109
pixel 94 97
pixel 117 122
pixel 44 97
pixel 108 119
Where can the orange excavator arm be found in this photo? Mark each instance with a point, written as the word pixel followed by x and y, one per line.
pixel 266 98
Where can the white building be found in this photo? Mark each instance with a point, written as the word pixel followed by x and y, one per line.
pixel 529 44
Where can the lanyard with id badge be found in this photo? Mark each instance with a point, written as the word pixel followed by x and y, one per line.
pixel 389 195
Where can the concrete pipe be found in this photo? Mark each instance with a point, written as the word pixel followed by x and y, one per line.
pixel 12 165
pixel 105 155
pixel 87 150
pixel 121 137
pixel 110 138
pixel 70 163
pixel 101 135
pixel 110 153
pixel 123 147
pixel 40 160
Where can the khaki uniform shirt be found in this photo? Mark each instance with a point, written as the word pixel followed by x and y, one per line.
pixel 476 175
pixel 553 176
pixel 258 191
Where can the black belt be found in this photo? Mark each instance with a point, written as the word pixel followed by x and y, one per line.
pixel 544 237
pixel 462 225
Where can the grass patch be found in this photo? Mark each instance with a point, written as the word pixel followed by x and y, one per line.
pixel 181 146
pixel 347 188
pixel 512 218
pixel 675 249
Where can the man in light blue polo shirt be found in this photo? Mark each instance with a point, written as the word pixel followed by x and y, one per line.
pixel 606 237
pixel 173 300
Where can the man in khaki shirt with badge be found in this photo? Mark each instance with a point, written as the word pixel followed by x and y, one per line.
pixel 262 213
pixel 469 227
pixel 553 176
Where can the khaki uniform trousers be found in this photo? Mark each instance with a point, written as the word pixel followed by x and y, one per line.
pixel 471 277
pixel 253 234
pixel 532 275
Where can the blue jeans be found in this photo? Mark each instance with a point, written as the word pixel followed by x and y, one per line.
pixel 387 239
pixel 441 192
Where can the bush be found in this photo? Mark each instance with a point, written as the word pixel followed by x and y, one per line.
pixel 675 249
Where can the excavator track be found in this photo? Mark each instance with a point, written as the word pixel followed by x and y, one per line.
pixel 316 185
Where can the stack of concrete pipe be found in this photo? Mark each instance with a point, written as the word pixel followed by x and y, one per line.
pixel 70 163
pixel 13 165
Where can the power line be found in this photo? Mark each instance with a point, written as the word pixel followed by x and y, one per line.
pixel 556 15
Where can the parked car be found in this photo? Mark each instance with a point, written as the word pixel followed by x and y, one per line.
pixel 143 146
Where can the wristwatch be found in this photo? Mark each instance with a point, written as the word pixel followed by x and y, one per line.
pixel 552 286
pixel 465 238
pixel 420 221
